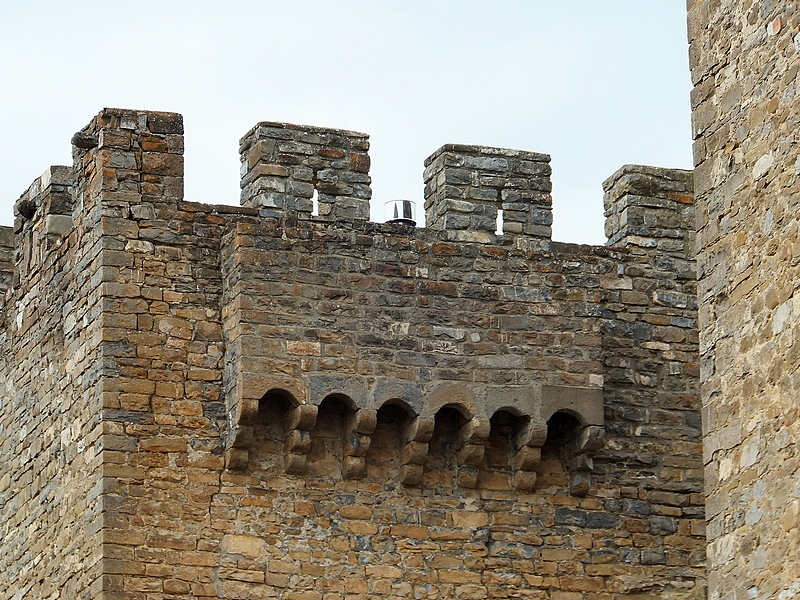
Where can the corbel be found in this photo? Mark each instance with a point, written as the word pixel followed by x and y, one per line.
pixel 357 442
pixel 414 454
pixel 529 444
pixel 300 422
pixel 241 438
pixel 588 441
pixel 473 437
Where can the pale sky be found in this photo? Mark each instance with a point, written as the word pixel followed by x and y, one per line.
pixel 595 83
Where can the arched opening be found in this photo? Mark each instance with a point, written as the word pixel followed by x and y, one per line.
pixel 327 437
pixel 500 448
pixel 269 430
pixel 444 444
pixel 387 440
pixel 561 430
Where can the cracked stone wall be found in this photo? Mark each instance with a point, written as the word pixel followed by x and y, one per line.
pixel 262 402
pixel 745 57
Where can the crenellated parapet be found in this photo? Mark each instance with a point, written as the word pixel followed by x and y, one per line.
pixel 129 156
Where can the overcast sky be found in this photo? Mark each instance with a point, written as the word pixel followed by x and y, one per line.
pixel 596 84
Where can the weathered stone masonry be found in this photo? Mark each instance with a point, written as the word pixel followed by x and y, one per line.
pixel 745 58
pixel 259 402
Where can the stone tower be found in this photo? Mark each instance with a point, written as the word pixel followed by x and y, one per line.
pixel 745 59
pixel 269 401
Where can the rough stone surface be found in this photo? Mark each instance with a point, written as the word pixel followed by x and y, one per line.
pixel 745 61
pixel 466 187
pixel 258 402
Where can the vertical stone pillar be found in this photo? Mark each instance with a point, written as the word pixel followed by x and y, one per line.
pixel 284 164
pixel 473 437
pixel 129 156
pixel 43 214
pixel 7 245
pixel 465 186
pixel 651 208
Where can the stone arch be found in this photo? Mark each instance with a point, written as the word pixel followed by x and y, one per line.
pixel 452 394
pixel 457 444
pixel 561 413
pixel 575 432
pixel 353 391
pixel 511 409
pixel 269 430
pixel 280 395
pixel 389 389
pixel 384 455
pixel 402 404
pixel 506 427
pixel 585 404
pixel 264 416
pixel 328 436
pixel 252 388
pixel 445 442
pixel 562 427
pixel 567 453
pixel 274 408
pixel 457 407
pixel 341 397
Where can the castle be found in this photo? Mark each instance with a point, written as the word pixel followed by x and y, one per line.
pixel 257 402
pixel 286 400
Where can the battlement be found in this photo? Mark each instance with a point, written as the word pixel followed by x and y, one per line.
pixel 217 370
pixel 466 187
pixel 283 165
pixel 650 207
pixel 6 260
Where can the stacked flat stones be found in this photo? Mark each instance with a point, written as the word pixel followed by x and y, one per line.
pixel 284 164
pixel 466 185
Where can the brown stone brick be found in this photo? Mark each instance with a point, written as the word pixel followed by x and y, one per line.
pixel 384 572
pixel 128 567
pixel 356 512
pixel 459 576
pixel 163 445
pixel 410 531
pixel 360 528
pixel 468 519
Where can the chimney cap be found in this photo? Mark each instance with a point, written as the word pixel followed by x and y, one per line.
pixel 401 211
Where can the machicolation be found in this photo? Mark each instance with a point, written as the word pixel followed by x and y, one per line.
pixel 277 401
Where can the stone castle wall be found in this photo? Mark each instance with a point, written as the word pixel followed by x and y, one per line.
pixel 270 401
pixel 50 424
pixel 745 60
